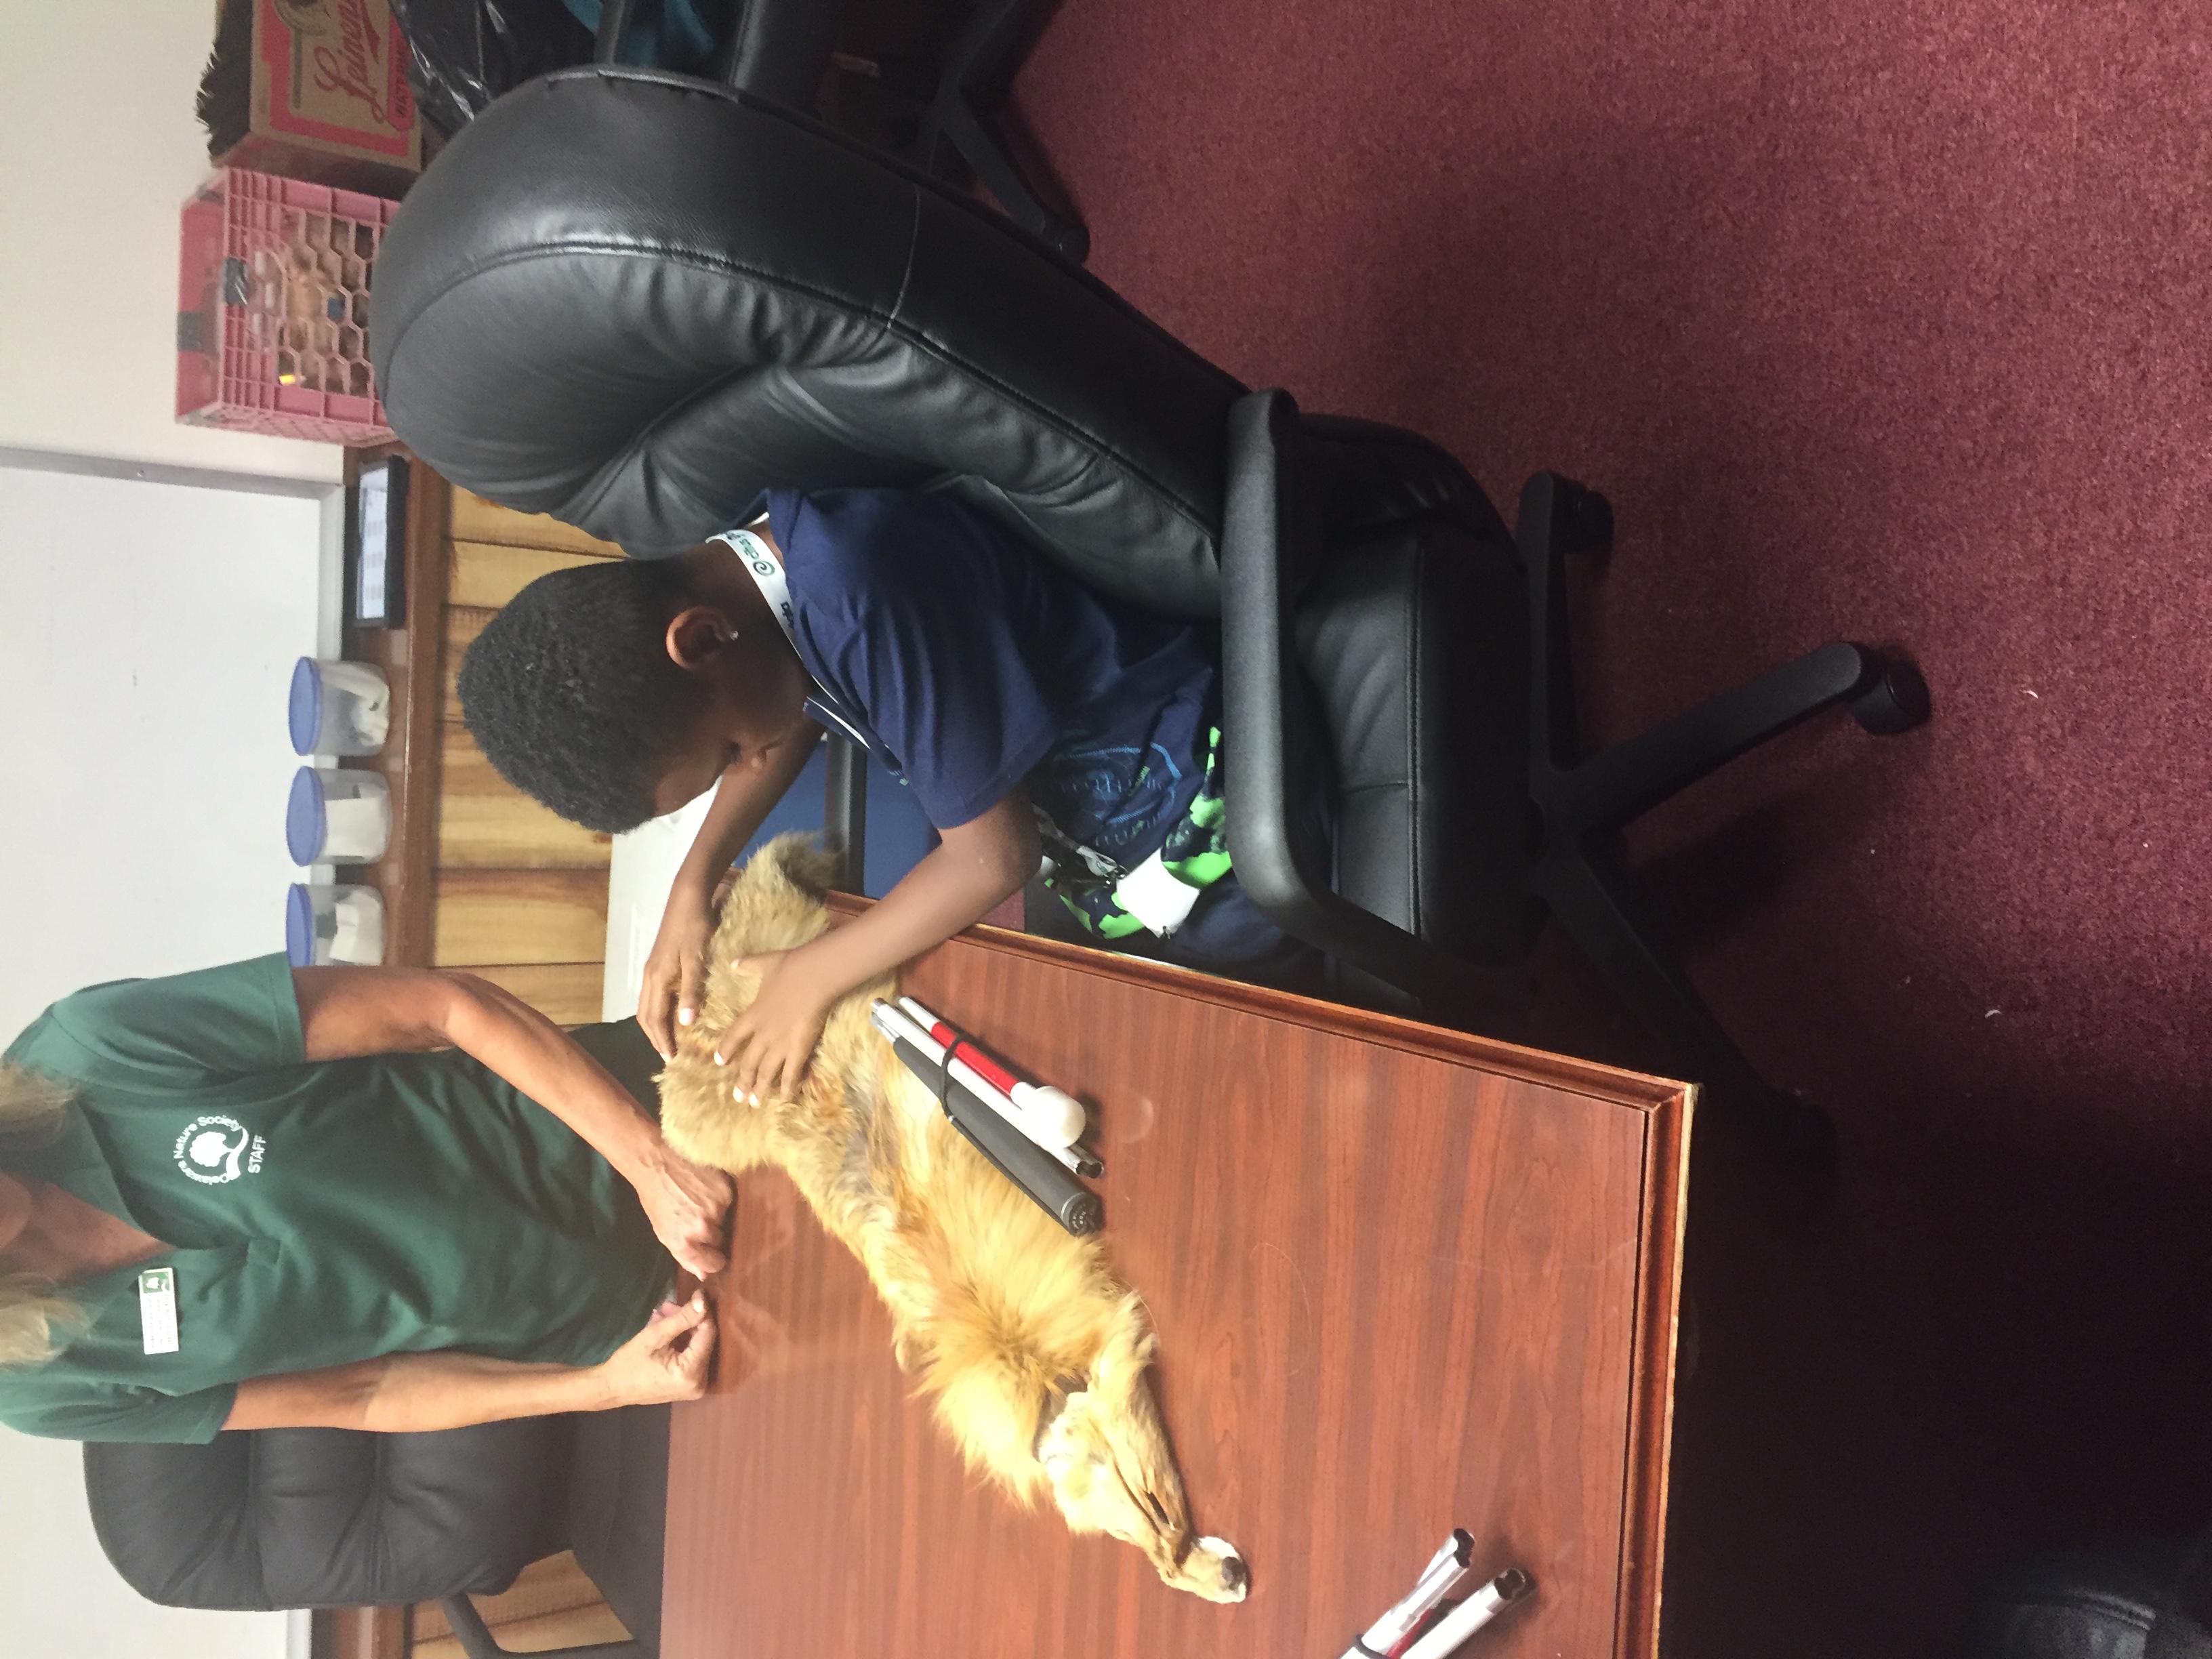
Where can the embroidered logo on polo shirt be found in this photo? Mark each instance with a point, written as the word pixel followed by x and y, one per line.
pixel 215 1149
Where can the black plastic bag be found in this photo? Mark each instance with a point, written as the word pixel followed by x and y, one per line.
pixel 467 53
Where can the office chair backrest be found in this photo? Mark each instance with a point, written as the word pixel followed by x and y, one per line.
pixel 634 300
pixel 282 1518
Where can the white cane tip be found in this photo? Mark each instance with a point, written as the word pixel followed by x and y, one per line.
pixel 1058 1115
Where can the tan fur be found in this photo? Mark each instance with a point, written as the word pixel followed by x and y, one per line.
pixel 1035 1358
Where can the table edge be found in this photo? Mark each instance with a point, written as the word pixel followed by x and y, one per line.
pixel 1651 1400
pixel 1638 1091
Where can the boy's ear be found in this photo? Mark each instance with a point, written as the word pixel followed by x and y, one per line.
pixel 695 635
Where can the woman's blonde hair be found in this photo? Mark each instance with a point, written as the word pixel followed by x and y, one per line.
pixel 31 1108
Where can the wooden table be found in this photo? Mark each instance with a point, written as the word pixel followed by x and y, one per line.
pixel 1405 1280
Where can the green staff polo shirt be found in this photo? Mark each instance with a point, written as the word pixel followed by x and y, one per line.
pixel 321 1213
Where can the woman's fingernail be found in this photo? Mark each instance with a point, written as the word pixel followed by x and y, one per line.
pixel 738 1094
pixel 719 1061
pixel 684 1015
pixel 752 1100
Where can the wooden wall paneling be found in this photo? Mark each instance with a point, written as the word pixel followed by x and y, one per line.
pixel 485 823
pixel 360 1633
pixel 565 992
pixel 545 941
pixel 499 917
pixel 551 1604
pixel 487 575
pixel 476 520
pixel 462 623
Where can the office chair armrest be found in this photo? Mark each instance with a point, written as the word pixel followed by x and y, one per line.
pixel 476 1640
pixel 1271 526
pixel 779 50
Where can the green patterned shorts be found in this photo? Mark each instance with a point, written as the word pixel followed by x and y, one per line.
pixel 1196 854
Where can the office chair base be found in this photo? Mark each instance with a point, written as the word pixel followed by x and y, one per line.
pixel 478 1642
pixel 1579 800
pixel 1896 701
pixel 962 118
pixel 1800 1133
pixel 1582 517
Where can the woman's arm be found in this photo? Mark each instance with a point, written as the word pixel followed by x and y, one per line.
pixel 349 1011
pixel 676 970
pixel 406 1392
pixel 974 866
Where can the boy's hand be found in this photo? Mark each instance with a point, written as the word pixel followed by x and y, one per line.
pixel 768 1047
pixel 676 971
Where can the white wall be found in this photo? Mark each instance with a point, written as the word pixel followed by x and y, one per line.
pixel 150 634
pixel 102 148
pixel 147 636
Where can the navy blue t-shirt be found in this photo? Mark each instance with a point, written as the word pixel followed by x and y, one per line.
pixel 979 666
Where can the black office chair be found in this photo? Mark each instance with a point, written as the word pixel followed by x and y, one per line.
pixel 2142 1599
pixel 779 50
pixel 289 1518
pixel 634 300
pixel 966 118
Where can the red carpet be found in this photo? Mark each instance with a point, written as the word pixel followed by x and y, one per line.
pixel 1882 321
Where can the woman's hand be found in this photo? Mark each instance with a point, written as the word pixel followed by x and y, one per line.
pixel 688 1205
pixel 668 1360
pixel 768 1047
pixel 676 971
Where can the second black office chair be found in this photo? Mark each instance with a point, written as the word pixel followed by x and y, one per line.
pixel 296 1518
pixel 779 50
pixel 635 301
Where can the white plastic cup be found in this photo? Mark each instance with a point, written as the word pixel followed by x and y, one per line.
pixel 338 708
pixel 327 923
pixel 337 816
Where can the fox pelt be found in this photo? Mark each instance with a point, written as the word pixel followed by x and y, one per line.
pixel 1035 1356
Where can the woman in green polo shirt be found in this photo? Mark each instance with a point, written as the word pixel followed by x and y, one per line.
pixel 262 1197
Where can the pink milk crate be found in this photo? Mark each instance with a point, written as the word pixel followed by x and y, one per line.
pixel 272 308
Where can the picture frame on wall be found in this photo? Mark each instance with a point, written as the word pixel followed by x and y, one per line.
pixel 376 545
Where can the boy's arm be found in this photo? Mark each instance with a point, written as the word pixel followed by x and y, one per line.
pixel 676 971
pixel 974 867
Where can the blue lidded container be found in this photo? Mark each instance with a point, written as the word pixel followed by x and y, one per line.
pixel 338 707
pixel 304 709
pixel 305 826
pixel 299 926
pixel 337 816
pixel 326 922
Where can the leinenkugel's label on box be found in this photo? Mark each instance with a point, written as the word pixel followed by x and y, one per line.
pixel 335 70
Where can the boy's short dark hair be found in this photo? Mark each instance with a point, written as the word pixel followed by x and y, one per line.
pixel 570 693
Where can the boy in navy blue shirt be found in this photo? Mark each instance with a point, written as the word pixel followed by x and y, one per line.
pixel 1037 722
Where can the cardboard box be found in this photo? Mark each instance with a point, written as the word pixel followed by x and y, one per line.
pixel 331 101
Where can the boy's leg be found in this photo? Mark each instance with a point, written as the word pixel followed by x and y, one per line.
pixel 1225 932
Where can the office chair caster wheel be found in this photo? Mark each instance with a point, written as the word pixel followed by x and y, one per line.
pixel 1583 518
pixel 1897 701
pixel 1068 238
pixel 1800 1133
